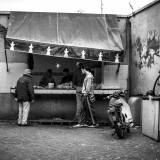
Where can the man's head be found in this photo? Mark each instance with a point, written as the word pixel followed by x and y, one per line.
pixel 66 71
pixel 79 65
pixel 27 72
pixel 85 69
pixel 49 72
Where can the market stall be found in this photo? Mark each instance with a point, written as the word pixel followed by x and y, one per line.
pixel 59 40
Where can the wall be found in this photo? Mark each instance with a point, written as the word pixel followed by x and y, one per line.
pixel 16 62
pixel 145 57
pixel 114 79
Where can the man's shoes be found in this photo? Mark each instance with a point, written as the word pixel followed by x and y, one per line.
pixel 26 124
pixel 97 125
pixel 80 125
pixel 84 125
pixel 94 125
pixel 77 126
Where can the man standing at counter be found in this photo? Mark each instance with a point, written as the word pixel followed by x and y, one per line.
pixel 78 78
pixel 89 98
pixel 24 95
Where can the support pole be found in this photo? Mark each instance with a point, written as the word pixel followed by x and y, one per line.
pixel 6 54
pixel 102 72
pixel 129 53
pixel 118 67
pixel 101 6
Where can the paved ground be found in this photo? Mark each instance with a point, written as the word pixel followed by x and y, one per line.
pixel 50 142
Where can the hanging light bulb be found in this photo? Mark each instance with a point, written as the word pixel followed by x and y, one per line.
pixel 117 58
pixel 66 53
pixel 31 48
pixel 100 56
pixel 57 65
pixel 48 51
pixel 83 54
pixel 12 46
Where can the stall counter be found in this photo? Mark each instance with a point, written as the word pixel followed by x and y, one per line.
pixel 68 91
pixel 61 103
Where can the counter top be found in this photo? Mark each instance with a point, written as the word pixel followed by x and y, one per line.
pixel 68 91
pixel 151 98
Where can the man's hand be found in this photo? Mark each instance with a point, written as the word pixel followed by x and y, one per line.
pixel 85 94
pixel 15 99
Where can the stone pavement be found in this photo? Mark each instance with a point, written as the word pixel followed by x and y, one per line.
pixel 55 142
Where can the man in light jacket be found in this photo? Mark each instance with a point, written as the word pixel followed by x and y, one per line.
pixel 88 91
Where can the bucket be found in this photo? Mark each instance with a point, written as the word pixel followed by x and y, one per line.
pixel 135 104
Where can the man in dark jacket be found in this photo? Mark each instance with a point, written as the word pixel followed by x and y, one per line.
pixel 78 78
pixel 47 78
pixel 67 78
pixel 24 95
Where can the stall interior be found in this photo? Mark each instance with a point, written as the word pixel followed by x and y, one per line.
pixel 106 75
pixel 59 67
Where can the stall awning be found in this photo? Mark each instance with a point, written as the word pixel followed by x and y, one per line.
pixel 89 32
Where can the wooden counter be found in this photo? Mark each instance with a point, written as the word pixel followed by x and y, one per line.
pixel 61 103
pixel 68 91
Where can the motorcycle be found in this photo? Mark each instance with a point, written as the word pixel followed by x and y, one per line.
pixel 119 113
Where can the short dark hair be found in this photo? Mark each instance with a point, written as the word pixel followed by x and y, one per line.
pixel 66 70
pixel 87 69
pixel 81 66
pixel 49 71
pixel 92 71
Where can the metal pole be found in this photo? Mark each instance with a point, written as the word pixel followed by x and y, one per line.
pixel 101 6
pixel 129 53
pixel 6 54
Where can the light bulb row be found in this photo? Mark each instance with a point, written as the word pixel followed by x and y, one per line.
pixel 83 53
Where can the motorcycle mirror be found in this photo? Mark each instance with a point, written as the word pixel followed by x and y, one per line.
pixel 106 98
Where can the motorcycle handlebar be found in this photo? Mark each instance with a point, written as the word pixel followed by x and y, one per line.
pixel 117 94
pixel 107 98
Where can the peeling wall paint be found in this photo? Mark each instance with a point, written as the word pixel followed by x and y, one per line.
pixel 147 49
pixel 145 56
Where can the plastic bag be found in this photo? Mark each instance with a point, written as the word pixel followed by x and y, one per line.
pixel 92 98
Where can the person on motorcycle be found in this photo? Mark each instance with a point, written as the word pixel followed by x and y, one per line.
pixel 119 114
pixel 114 100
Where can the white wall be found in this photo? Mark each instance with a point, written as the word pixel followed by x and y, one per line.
pixel 113 79
pixel 145 59
pixel 9 79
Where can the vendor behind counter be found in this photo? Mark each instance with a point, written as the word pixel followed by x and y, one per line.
pixel 67 78
pixel 47 78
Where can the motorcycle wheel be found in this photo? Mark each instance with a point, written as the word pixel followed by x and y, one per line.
pixel 128 130
pixel 120 132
